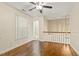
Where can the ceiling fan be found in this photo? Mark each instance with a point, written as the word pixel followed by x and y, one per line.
pixel 39 6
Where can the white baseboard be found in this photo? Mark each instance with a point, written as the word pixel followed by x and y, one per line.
pixel 52 41
pixel 75 50
pixel 29 41
pixel 14 47
pixel 65 43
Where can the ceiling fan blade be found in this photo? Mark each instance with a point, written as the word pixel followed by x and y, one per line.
pixel 32 8
pixel 47 6
pixel 33 3
pixel 40 11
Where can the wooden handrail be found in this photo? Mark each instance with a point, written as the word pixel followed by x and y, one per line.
pixel 55 32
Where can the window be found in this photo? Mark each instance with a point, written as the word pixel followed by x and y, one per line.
pixel 21 28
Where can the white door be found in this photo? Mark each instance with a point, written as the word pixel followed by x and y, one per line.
pixel 36 46
pixel 36 30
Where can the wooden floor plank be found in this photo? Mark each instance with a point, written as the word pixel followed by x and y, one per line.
pixel 46 49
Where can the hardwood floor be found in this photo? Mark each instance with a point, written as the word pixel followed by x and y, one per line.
pixel 42 49
pixel 56 49
pixel 23 50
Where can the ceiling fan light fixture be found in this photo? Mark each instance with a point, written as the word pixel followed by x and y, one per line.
pixel 39 7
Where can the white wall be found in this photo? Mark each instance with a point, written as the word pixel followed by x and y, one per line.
pixel 74 21
pixel 59 25
pixel 8 28
pixel 41 26
pixel 55 25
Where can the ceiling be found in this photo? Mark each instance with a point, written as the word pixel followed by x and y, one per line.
pixel 59 10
